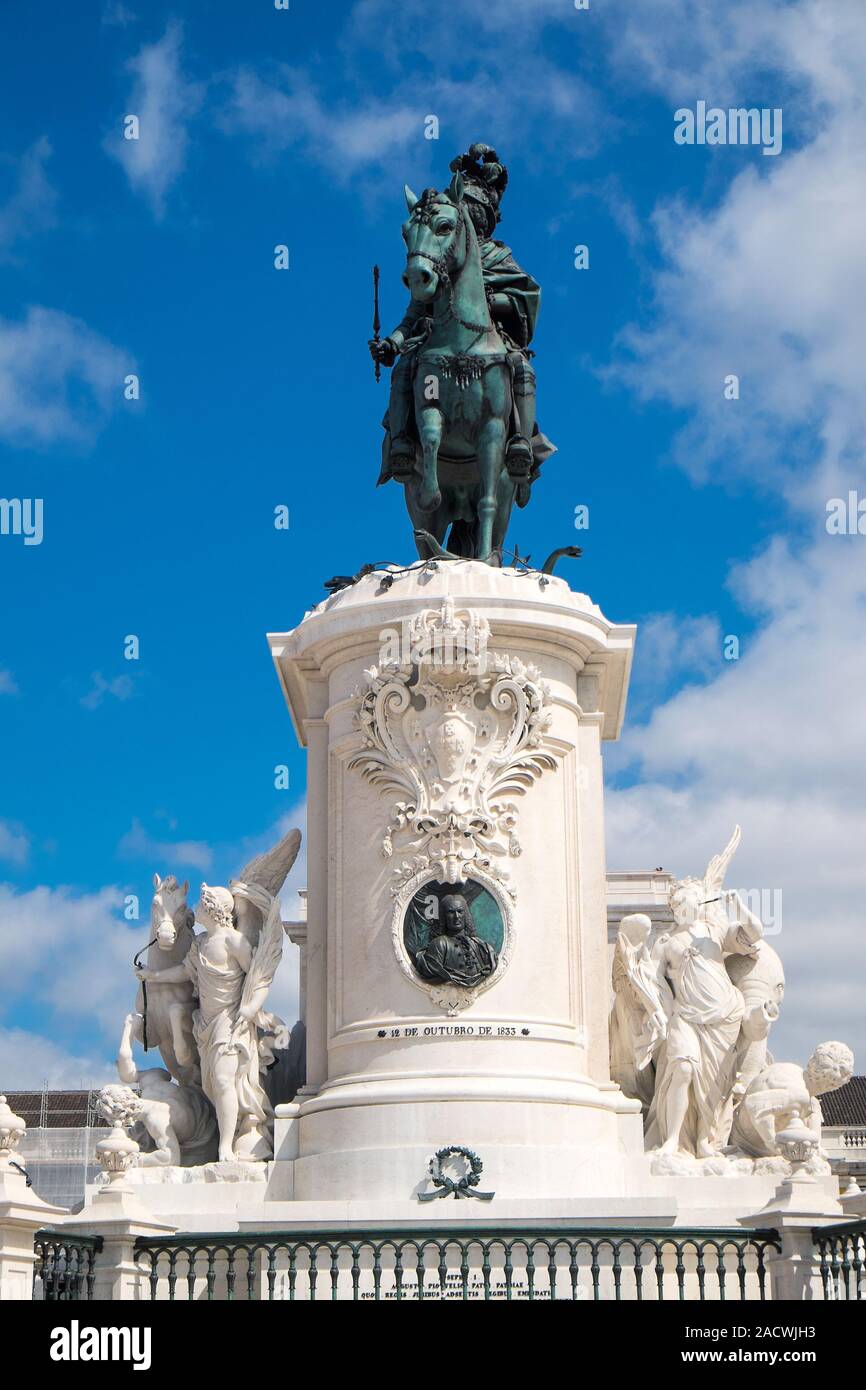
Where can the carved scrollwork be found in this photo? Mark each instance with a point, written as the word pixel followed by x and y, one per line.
pixel 456 733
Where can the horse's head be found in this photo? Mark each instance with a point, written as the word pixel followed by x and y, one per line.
pixel 169 912
pixel 436 235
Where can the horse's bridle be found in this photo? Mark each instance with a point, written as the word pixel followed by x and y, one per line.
pixel 136 964
pixel 443 266
pixel 136 961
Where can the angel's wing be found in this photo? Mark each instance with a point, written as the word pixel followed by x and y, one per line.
pixel 271 869
pixel 261 880
pixel 266 958
pixel 718 865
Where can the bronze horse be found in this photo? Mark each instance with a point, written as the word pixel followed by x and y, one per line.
pixel 463 476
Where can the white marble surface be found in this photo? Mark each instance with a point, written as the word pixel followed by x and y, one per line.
pixel 526 1082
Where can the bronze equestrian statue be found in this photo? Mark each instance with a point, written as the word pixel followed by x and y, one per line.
pixel 460 432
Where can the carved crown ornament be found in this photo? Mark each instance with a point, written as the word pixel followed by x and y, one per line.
pixel 457 732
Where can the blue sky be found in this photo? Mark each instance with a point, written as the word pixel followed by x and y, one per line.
pixel 707 516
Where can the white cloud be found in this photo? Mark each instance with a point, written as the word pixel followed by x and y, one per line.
pixel 676 48
pixel 14 843
pixel 68 954
pixel 777 743
pixel 414 26
pixel 29 1061
pixel 115 13
pixel 468 85
pixel 288 111
pixel 767 282
pixel 120 687
pixel 671 649
pixel 32 204
pixel 58 378
pixel 8 684
pixel 767 286
pixel 138 843
pixel 165 100
pixel 801 680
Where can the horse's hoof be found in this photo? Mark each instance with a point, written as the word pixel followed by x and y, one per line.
pixel 429 501
pixel 490 557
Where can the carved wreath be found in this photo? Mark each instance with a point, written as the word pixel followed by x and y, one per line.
pixel 447 1187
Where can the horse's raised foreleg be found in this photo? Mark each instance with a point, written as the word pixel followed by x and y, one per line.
pixel 132 1032
pixel 429 420
pixel 427 524
pixel 519 448
pixel 491 453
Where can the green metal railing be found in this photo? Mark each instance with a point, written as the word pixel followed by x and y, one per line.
pixel 842 1256
pixel 443 1262
pixel 64 1270
pixel 455 1263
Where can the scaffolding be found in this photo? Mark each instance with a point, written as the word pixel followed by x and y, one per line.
pixel 58 1148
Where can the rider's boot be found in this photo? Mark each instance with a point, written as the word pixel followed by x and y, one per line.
pixel 402 454
pixel 402 445
pixel 524 392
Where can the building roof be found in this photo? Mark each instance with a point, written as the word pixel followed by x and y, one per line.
pixel 55 1109
pixel 847 1106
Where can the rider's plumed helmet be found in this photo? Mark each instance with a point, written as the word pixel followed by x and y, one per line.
pixel 485 181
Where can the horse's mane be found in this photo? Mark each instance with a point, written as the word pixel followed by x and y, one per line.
pixel 169 882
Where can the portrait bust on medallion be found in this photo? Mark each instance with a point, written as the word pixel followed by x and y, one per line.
pixel 456 954
pixel 453 951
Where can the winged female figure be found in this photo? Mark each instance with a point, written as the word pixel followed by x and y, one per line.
pixel 696 1066
pixel 231 980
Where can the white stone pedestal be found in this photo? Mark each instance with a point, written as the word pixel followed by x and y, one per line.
pixel 115 1213
pixel 800 1204
pixel 516 1070
pixel 22 1214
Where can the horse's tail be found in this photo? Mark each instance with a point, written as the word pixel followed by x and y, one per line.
pixel 462 538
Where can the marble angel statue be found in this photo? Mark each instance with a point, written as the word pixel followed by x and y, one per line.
pixel 696 1066
pixel 231 979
